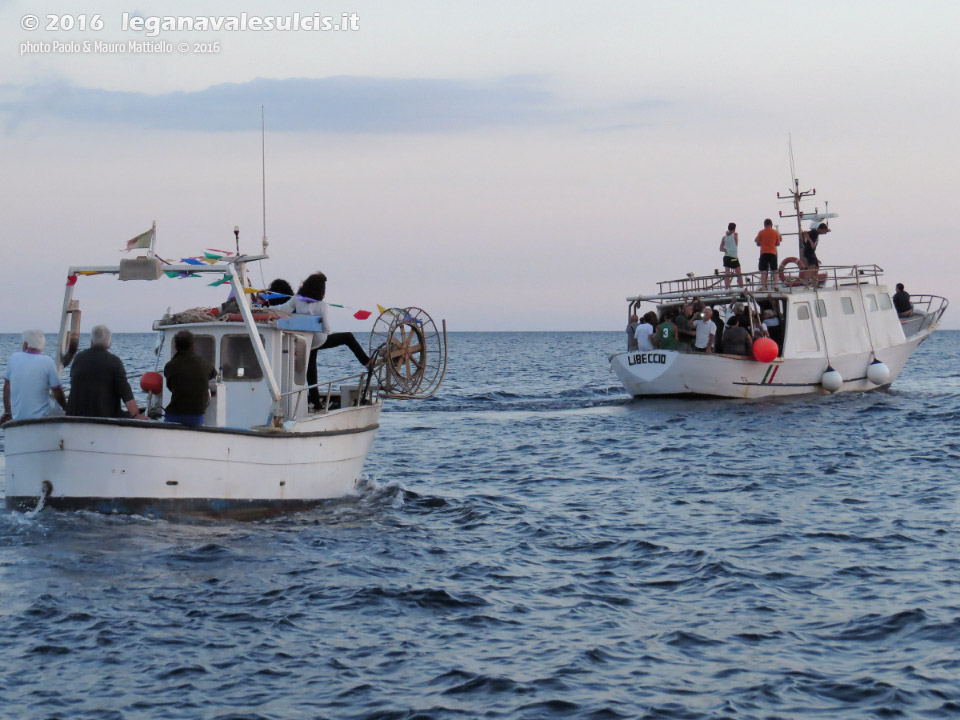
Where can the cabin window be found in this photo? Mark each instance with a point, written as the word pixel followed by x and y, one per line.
pixel 301 354
pixel 872 303
pixel 803 312
pixel 206 347
pixel 238 359
pixel 885 303
pixel 821 309
pixel 846 305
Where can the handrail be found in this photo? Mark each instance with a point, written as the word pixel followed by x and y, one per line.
pixel 830 276
pixel 329 384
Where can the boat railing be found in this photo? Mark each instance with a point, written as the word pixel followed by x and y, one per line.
pixel 299 392
pixel 931 306
pixel 783 280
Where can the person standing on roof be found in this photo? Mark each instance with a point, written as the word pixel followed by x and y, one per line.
pixel 768 240
pixel 809 251
pixel 729 246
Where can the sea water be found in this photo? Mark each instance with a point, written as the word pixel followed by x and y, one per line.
pixel 530 543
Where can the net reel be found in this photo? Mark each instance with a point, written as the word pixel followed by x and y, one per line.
pixel 410 353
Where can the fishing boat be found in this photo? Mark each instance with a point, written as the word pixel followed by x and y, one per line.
pixel 837 329
pixel 262 450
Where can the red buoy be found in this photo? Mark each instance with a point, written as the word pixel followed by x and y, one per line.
pixel 765 350
pixel 152 382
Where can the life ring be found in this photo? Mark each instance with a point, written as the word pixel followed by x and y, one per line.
pixel 792 281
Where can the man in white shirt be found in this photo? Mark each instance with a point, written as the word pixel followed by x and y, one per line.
pixel 706 332
pixel 644 334
pixel 28 381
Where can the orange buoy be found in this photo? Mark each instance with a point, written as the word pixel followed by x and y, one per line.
pixel 152 383
pixel 765 350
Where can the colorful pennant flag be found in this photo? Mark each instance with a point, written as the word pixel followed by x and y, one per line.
pixel 141 241
pixel 191 261
pixel 361 314
pixel 71 280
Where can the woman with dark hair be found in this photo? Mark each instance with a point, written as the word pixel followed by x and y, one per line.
pixel 279 287
pixel 309 301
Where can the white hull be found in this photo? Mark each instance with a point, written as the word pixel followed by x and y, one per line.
pixel 159 469
pixel 667 372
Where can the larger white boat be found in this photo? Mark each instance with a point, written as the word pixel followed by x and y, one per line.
pixel 262 449
pixel 837 331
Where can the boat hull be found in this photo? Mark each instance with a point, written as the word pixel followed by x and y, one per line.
pixel 666 372
pixel 162 469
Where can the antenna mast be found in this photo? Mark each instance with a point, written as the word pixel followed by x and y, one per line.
pixel 263 168
pixel 795 195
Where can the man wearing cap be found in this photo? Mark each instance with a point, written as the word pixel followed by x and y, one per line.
pixel 98 380
pixel 29 380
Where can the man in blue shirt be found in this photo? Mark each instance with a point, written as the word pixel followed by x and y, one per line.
pixel 29 380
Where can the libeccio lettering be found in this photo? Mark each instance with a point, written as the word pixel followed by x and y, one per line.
pixel 647 359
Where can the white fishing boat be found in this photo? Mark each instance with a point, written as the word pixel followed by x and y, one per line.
pixel 262 449
pixel 837 331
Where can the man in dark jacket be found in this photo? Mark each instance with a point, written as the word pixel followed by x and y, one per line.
pixel 188 377
pixel 98 381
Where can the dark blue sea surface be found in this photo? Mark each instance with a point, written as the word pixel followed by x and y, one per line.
pixel 531 543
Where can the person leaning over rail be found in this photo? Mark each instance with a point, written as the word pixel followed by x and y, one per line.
pixel 98 381
pixel 31 377
pixel 188 379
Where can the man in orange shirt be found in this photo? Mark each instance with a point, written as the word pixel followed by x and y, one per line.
pixel 768 239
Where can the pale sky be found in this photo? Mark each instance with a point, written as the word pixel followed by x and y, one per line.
pixel 506 165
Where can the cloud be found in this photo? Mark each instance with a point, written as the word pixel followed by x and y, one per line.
pixel 336 104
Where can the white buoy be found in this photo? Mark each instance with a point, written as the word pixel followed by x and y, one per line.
pixel 878 373
pixel 831 380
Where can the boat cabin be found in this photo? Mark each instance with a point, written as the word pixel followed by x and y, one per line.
pixel 845 310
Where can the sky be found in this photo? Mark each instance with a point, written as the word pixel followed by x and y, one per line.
pixel 505 165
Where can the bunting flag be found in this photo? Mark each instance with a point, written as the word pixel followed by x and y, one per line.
pixel 221 281
pixel 71 280
pixel 361 314
pixel 191 261
pixel 89 272
pixel 141 241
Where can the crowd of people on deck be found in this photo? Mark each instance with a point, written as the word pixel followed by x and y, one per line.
pixel 696 327
pixel 98 379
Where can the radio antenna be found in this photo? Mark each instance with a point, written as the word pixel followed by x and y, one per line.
pixel 263 168
pixel 793 172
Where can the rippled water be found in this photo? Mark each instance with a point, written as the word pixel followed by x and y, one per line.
pixel 532 544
